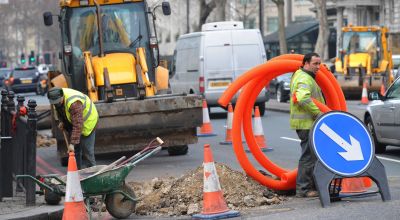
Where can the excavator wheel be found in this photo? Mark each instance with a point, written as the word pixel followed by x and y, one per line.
pixel 178 150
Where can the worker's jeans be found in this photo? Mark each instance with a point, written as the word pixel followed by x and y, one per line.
pixel 86 146
pixel 305 180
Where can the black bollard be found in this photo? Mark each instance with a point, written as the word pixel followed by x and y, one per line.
pixel 4 101
pixel 19 145
pixel 31 151
pixel 7 152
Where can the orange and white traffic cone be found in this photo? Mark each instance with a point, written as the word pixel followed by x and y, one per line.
pixel 214 205
pixel 259 131
pixel 383 89
pixel 229 120
pixel 364 95
pixel 74 207
pixel 206 128
pixel 355 185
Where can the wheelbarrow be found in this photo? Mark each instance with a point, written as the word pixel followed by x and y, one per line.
pixel 107 181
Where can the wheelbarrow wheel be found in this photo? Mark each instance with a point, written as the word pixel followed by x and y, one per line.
pixel 118 205
pixel 52 198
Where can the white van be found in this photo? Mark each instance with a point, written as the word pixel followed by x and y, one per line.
pixel 207 62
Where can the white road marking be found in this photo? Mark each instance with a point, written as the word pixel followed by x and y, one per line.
pixel 291 139
pixel 388 159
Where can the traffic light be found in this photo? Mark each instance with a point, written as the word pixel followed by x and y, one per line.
pixel 23 61
pixel 32 58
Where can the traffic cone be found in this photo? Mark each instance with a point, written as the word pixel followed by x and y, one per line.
pixel 74 207
pixel 229 120
pixel 383 89
pixel 206 128
pixel 355 185
pixel 259 131
pixel 364 95
pixel 214 205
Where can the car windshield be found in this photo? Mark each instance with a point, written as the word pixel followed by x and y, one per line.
pixel 285 77
pixel 122 24
pixel 24 73
pixel 394 90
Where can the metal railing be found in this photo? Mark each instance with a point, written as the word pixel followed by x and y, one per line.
pixel 18 146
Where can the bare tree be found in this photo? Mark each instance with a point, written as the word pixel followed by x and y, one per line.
pixel 281 30
pixel 23 28
pixel 247 11
pixel 220 10
pixel 321 46
pixel 205 10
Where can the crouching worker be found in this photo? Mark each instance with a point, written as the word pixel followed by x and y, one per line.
pixel 78 116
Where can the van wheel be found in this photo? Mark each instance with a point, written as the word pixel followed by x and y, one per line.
pixel 261 107
pixel 178 150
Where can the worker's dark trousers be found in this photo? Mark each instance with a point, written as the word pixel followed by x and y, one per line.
pixel 305 180
pixel 86 146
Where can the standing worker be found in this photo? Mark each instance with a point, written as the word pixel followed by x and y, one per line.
pixel 303 113
pixel 77 115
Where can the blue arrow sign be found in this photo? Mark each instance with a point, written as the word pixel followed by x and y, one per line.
pixel 342 143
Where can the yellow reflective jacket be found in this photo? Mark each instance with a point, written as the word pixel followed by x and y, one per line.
pixel 304 111
pixel 90 115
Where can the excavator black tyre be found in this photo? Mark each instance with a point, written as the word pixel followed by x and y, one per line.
pixel 178 150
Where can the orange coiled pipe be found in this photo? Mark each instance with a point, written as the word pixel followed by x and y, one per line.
pixel 251 84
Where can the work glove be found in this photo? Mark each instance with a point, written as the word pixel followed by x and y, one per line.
pixel 71 148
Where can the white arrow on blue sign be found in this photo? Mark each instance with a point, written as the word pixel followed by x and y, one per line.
pixel 342 143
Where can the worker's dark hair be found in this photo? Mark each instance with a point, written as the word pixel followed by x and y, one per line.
pixel 307 57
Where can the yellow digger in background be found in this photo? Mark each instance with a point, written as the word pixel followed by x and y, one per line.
pixel 110 52
pixel 364 56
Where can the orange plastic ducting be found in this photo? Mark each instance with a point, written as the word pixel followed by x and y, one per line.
pixel 251 83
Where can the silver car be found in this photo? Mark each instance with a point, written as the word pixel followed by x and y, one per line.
pixel 383 117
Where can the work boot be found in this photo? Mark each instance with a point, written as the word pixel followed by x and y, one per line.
pixel 312 193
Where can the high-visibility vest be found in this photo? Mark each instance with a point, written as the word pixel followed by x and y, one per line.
pixel 304 111
pixel 90 115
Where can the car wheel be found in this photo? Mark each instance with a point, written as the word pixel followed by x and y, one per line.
pixel 279 94
pixel 379 148
pixel 261 107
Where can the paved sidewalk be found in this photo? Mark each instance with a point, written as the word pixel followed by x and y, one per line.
pixel 15 208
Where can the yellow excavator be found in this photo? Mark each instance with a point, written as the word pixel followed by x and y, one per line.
pixel 364 56
pixel 110 52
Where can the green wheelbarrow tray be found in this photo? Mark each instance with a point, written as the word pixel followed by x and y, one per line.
pixel 109 181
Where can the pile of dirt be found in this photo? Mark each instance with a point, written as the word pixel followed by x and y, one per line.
pixel 44 141
pixel 184 195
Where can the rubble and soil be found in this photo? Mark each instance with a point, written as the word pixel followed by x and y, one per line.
pixel 43 140
pixel 184 195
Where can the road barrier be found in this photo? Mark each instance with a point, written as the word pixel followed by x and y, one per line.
pixel 251 84
pixel 18 145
